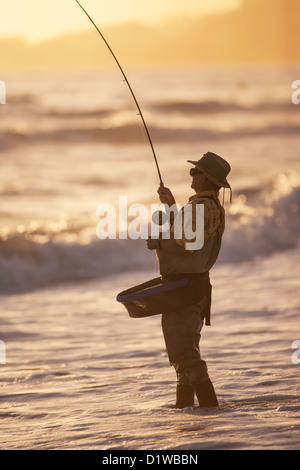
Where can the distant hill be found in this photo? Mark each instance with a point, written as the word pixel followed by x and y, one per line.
pixel 261 31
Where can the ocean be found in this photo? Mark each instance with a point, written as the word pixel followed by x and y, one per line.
pixel 80 373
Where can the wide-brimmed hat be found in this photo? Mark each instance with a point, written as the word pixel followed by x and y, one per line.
pixel 215 168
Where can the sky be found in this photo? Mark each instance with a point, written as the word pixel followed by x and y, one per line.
pixel 38 19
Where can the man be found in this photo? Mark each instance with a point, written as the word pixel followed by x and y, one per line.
pixel 182 328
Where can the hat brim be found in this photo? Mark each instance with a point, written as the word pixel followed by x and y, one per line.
pixel 222 184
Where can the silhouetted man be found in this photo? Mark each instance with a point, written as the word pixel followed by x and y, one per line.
pixel 182 328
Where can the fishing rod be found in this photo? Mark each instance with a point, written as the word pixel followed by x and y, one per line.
pixel 131 91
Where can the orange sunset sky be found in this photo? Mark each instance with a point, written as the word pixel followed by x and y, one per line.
pixel 56 33
pixel 37 19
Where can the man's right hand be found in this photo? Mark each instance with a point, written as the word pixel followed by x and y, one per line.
pixel 165 196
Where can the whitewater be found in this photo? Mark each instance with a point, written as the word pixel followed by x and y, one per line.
pixel 79 373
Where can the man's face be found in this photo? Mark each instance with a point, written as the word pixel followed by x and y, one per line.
pixel 198 179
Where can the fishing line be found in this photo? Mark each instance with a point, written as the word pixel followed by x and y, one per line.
pixel 131 91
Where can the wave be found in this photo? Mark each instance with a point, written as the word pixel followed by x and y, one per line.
pixel 270 225
pixel 129 134
pixel 214 107
pixel 27 264
pixel 113 125
pixel 30 102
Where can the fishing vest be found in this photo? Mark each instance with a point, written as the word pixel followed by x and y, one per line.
pixel 184 279
pixel 202 260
